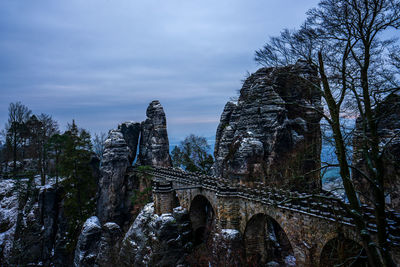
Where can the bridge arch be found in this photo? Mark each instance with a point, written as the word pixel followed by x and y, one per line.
pixel 265 241
pixel 342 251
pixel 202 216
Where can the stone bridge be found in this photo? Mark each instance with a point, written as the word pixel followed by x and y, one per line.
pixel 307 226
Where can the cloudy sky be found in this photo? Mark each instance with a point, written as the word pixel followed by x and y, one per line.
pixel 102 61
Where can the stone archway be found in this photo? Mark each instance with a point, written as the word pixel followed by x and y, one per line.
pixel 341 251
pixel 266 242
pixel 202 216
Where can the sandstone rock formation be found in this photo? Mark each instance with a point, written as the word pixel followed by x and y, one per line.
pixel 388 122
pixel 154 144
pixel 151 240
pixel 119 195
pixel 97 245
pixel 131 132
pixel 8 219
pixel 154 240
pixel 33 227
pixel 272 134
pixel 115 188
pixel 112 183
pixel 87 246
pixel 109 245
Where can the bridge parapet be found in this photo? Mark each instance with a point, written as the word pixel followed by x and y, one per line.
pixel 317 205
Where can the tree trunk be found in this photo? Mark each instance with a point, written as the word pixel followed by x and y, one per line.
pixel 372 252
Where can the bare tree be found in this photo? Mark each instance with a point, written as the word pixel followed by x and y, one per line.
pixel 98 144
pixel 18 115
pixel 193 154
pixel 49 127
pixel 345 41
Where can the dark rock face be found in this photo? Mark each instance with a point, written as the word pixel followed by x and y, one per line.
pixel 388 122
pixel 228 248
pixel 108 248
pixel 273 134
pixel 62 255
pixel 88 241
pixel 131 132
pixel 8 219
pixel 112 184
pixel 154 240
pixel 97 246
pixel 154 144
pixel 34 229
pixel 27 246
pixel 116 185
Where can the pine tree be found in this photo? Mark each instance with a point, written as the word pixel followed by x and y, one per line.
pixel 55 148
pixel 79 184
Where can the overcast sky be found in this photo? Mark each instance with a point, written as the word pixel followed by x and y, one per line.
pixel 102 61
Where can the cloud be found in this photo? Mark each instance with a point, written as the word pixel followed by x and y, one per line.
pixel 101 62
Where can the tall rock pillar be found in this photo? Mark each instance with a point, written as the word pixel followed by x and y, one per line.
pixel 116 159
pixel 154 144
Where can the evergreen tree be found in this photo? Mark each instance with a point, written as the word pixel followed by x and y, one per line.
pixel 55 148
pixel 79 184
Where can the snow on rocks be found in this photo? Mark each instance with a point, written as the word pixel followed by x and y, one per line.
pixel 230 233
pixel 87 246
pixel 8 216
pixel 154 240
pixel 270 133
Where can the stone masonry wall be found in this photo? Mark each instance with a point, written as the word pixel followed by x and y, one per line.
pixel 306 233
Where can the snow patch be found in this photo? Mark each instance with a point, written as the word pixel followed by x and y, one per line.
pixel 91 223
pixel 290 260
pixel 230 233
pixel 111 226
